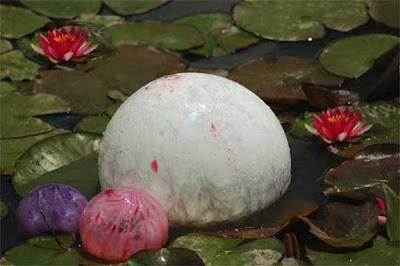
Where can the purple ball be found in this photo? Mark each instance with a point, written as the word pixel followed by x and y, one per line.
pixel 61 205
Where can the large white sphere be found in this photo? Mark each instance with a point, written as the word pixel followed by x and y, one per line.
pixel 209 149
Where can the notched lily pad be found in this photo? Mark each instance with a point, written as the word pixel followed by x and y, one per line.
pixel 63 8
pixel 386 12
pixel 3 209
pixel 16 67
pixel 5 46
pixel 93 124
pixel 16 22
pixel 17 113
pixel 51 154
pixel 364 175
pixel 393 216
pixel 280 82
pixel 351 57
pixel 166 256
pixel 298 20
pixel 164 35
pixel 124 7
pixel 344 225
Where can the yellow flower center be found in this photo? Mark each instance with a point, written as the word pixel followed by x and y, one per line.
pixel 64 38
pixel 338 118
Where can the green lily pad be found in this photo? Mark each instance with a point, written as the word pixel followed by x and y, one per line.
pixel 117 95
pixel 364 175
pixel 124 7
pixel 165 256
pixel 43 250
pixel 12 149
pixel 103 20
pixel 3 209
pixel 16 67
pixel 49 155
pixel 5 46
pixel 16 22
pixel 351 57
pixel 164 35
pixel 299 20
pixel 386 12
pixel 218 32
pixel 63 8
pixel 112 109
pixel 17 113
pixel 379 254
pixel 344 225
pixel 227 251
pixel 393 219
pixel 93 124
pixel 280 82
pixel 6 88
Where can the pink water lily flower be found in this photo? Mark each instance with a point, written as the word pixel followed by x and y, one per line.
pixel 64 45
pixel 336 125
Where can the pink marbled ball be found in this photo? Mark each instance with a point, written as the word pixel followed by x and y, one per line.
pixel 120 222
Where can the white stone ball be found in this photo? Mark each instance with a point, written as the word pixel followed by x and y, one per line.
pixel 208 148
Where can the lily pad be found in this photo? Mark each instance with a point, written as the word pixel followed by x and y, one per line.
pixel 280 82
pixel 112 109
pixel 12 149
pixel 165 35
pixel 364 176
pixel 16 67
pixel 103 20
pixel 63 8
pixel 344 225
pixel 166 256
pixel 43 250
pixel 218 32
pixel 124 7
pixel 49 155
pixel 379 254
pixel 228 251
pixel 3 209
pixel 393 219
pixel 16 22
pixel 351 57
pixel 386 12
pixel 17 113
pixel 6 88
pixel 5 46
pixel 299 20
pixel 93 124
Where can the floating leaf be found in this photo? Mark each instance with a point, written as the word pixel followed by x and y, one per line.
pixel 5 46
pixel 218 30
pixel 344 225
pixel 3 209
pixel 17 113
pixel 6 88
pixel 16 22
pixel 227 251
pixel 12 149
pixel 165 35
pixel 280 82
pixel 43 250
pixel 294 21
pixel 16 67
pixel 103 20
pixel 117 95
pixel 351 57
pixel 93 124
pixel 393 219
pixel 124 7
pixel 49 155
pixel 364 175
pixel 166 256
pixel 386 12
pixel 112 109
pixel 63 8
pixel 379 254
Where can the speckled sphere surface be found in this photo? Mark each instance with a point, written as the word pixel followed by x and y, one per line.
pixel 122 221
pixel 208 148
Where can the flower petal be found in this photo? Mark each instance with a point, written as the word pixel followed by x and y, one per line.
pixel 342 136
pixel 67 56
pixel 90 49
pixel 38 50
pixel 311 130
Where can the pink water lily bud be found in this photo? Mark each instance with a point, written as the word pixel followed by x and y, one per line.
pixel 336 125
pixel 64 45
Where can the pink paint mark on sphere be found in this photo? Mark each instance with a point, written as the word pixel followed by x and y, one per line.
pixel 154 166
pixel 120 222
pixel 213 127
pixel 172 77
pixel 147 87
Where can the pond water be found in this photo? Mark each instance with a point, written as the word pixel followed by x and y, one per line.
pixel 310 158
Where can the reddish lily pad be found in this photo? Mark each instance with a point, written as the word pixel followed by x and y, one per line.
pixel 386 12
pixel 164 35
pixel 344 225
pixel 124 7
pixel 363 176
pixel 393 216
pixel 280 82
